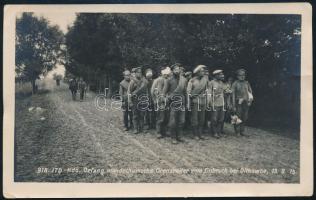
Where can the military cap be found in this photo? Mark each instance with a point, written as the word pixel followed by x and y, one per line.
pixel 218 71
pixel 126 72
pixel 133 70
pixel 240 71
pixel 198 68
pixel 138 69
pixel 175 65
pixel 149 72
pixel 187 73
pixel 166 71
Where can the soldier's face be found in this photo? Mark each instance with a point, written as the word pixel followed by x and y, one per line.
pixel 241 77
pixel 176 71
pixel 127 77
pixel 221 76
pixel 138 74
pixel 201 73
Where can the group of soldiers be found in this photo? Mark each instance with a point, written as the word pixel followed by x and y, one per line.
pixel 75 85
pixel 176 100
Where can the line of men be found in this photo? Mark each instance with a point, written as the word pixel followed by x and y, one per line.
pixel 75 85
pixel 177 99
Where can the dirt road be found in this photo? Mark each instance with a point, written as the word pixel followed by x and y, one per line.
pixel 74 141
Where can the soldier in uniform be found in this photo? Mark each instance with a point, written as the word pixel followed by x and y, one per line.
pixel 242 98
pixel 127 112
pixel 73 86
pixel 228 102
pixel 187 124
pixel 196 90
pixel 150 113
pixel 82 88
pixel 137 94
pixel 216 101
pixel 159 101
pixel 175 91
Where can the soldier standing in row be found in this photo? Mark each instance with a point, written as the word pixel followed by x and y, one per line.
pixel 242 99
pixel 150 113
pixel 127 112
pixel 175 90
pixel 159 100
pixel 196 90
pixel 187 124
pixel 73 86
pixel 137 93
pixel 217 103
pixel 228 104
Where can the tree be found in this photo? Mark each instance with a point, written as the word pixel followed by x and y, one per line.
pixel 38 47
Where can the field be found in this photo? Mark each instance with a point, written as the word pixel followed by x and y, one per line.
pixel 60 140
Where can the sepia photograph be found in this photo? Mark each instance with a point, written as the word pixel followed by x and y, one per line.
pixel 148 95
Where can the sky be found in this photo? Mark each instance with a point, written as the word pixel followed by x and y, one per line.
pixel 63 20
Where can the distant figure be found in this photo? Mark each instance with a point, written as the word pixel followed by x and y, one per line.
pixel 73 86
pixel 82 88
pixel 242 99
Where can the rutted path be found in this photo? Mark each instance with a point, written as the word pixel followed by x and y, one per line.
pixel 77 135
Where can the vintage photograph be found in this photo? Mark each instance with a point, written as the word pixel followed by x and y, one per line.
pixel 157 97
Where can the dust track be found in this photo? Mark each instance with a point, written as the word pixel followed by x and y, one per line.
pixel 78 135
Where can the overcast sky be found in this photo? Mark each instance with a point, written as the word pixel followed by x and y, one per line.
pixel 63 20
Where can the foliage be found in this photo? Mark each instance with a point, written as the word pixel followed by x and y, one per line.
pixel 101 45
pixel 38 47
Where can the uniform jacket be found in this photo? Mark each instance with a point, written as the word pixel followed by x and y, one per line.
pixel 123 89
pixel 197 89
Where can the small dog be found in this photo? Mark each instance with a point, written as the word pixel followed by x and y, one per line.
pixel 235 119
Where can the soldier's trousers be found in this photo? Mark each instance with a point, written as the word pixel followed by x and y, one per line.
pixel 127 116
pixel 138 118
pixel 73 94
pixel 176 122
pixel 217 118
pixel 242 112
pixel 161 121
pixel 198 115
pixel 150 116
pixel 81 94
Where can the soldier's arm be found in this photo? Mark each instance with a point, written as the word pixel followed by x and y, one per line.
pixel 142 87
pixel 165 87
pixel 189 87
pixel 249 88
pixel 121 91
pixel 153 87
pixel 234 95
pixel 129 88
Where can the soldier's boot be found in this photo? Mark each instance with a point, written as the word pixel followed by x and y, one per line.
pixel 179 135
pixel 200 131
pixel 195 132
pixel 136 129
pixel 242 130
pixel 160 132
pixel 141 126
pixel 222 133
pixel 237 130
pixel 173 134
pixel 214 130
